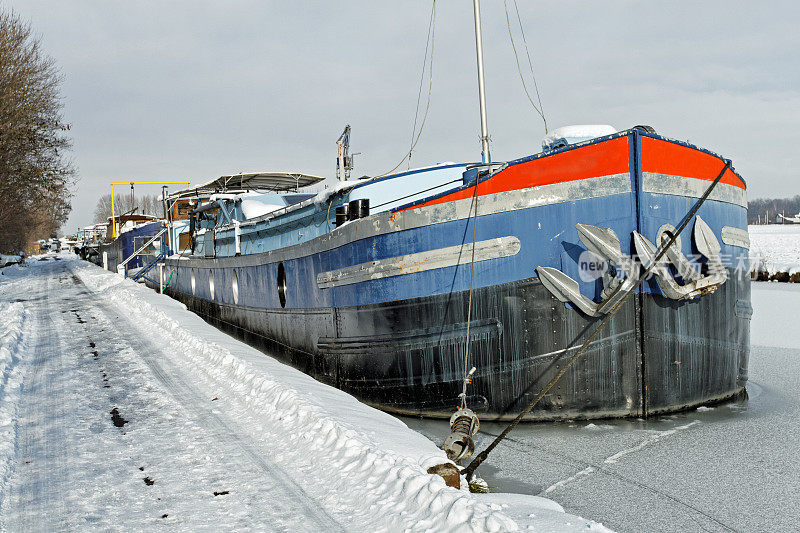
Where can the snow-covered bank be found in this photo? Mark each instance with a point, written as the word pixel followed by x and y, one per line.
pixel 363 469
pixel 6 260
pixel 775 248
pixel 11 319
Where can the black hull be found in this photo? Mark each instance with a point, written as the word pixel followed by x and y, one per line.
pixel 656 356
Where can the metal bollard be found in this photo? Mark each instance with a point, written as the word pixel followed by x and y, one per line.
pixel 459 444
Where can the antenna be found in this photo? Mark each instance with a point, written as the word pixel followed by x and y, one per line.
pixel 344 161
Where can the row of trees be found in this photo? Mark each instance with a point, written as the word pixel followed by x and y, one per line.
pixel 767 209
pixel 36 173
pixel 146 204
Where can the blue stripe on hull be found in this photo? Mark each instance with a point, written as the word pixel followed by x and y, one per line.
pixel 546 233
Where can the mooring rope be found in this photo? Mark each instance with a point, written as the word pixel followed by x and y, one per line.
pixel 467 371
pixel 469 471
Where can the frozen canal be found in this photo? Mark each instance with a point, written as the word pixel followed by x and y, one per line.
pixel 734 467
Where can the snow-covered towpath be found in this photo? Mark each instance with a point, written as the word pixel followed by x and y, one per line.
pixel 119 409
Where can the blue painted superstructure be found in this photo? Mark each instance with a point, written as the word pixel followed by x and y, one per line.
pixel 126 243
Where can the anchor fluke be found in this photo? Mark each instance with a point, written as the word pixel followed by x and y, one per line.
pixel 647 254
pixel 602 242
pixel 706 243
pixel 566 289
pixel 705 240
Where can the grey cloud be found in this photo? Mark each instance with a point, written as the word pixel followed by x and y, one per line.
pixel 198 89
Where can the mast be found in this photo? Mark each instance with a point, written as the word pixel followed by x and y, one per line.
pixel 485 155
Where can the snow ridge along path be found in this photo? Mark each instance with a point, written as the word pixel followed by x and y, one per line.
pixel 153 417
pixel 11 323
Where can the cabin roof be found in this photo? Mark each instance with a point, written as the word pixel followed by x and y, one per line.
pixel 251 181
pixel 130 217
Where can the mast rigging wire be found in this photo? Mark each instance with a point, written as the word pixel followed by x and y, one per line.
pixel 539 109
pixel 429 43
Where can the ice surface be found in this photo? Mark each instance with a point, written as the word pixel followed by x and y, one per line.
pixel 126 412
pixel 735 467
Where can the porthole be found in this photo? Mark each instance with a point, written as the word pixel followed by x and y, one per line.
pixel 194 284
pixel 282 284
pixel 235 287
pixel 211 283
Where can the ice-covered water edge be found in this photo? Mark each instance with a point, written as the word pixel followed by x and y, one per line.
pixel 723 467
pixel 775 252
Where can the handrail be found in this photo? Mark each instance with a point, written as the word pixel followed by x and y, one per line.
pixel 148 268
pixel 145 245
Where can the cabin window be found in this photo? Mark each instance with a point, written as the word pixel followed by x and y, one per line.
pixel 282 284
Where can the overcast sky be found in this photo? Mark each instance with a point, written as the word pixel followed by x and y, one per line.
pixel 194 90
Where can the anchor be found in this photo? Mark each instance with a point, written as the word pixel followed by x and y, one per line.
pixel 706 243
pixel 604 243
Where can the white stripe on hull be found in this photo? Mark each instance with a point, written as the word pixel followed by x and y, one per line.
pixel 692 188
pixel 420 262
pixel 736 237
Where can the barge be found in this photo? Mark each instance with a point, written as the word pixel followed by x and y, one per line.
pixel 377 286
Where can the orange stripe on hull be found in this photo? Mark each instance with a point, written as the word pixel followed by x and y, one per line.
pixel 601 159
pixel 664 157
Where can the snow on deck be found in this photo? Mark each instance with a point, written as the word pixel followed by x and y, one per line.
pixel 120 409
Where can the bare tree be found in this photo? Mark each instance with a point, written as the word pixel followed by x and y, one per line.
pixel 770 208
pixel 147 204
pixel 35 174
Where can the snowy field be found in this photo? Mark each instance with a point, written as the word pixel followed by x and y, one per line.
pixel 775 247
pixel 121 410
pixel 734 467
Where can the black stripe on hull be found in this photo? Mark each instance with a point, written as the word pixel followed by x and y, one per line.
pixel 656 356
